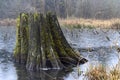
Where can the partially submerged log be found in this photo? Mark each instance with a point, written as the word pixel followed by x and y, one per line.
pixel 41 44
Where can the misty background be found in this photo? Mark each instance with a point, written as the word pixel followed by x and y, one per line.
pixel 98 9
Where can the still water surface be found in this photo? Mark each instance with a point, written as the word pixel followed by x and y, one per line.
pixel 98 46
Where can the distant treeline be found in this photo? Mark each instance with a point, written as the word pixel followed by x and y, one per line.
pixel 99 9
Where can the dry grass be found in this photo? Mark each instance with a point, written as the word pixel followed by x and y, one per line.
pixel 115 73
pixel 100 73
pixel 8 22
pixel 97 73
pixel 112 23
pixel 73 22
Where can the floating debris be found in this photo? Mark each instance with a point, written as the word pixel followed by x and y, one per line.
pixel 107 38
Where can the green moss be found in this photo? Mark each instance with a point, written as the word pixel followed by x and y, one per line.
pixel 17 50
pixel 40 39
pixel 36 17
pixel 22 37
pixel 24 33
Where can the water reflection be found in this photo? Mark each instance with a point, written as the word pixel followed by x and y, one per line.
pixel 23 74
pixel 92 44
pixel 7 38
pixel 96 48
pixel 103 56
pixel 12 71
pixel 7 69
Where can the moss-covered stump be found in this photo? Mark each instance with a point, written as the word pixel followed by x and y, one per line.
pixel 21 49
pixel 17 51
pixel 24 37
pixel 41 44
pixel 34 54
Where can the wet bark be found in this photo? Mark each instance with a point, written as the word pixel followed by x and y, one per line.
pixel 46 45
pixel 34 54
pixel 24 37
pixel 21 49
pixel 17 50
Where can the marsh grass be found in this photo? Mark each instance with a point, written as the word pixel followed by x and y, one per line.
pixel 100 73
pixel 115 73
pixel 8 22
pixel 90 23
pixel 96 73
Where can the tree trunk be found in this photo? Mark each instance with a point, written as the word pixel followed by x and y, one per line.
pixel 34 55
pixel 24 37
pixel 46 45
pixel 17 50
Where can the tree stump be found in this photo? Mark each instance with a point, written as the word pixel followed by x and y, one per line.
pixel 17 50
pixel 41 43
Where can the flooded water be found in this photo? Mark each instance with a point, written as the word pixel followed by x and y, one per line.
pixel 98 46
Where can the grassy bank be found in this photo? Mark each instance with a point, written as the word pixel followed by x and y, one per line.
pixel 76 23
pixel 90 23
